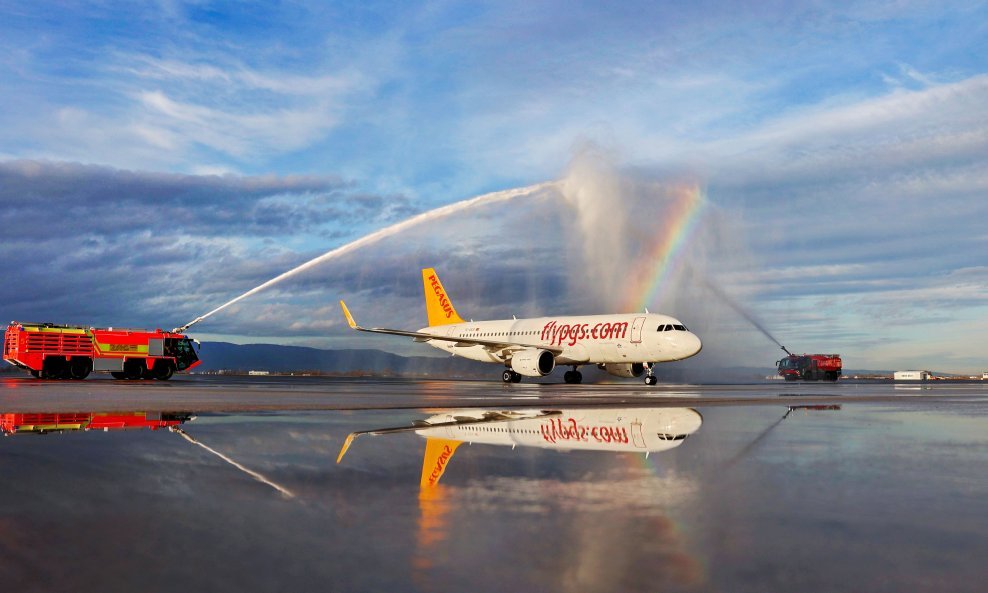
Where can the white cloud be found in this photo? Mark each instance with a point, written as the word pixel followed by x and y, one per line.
pixel 241 76
pixel 238 134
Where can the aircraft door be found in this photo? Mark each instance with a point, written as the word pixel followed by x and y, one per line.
pixel 636 330
pixel 636 435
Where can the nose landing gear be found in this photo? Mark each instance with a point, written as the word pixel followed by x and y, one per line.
pixel 650 379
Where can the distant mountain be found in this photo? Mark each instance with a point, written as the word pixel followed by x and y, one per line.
pixel 276 358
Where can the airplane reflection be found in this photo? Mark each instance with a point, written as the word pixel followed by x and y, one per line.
pixel 619 430
pixel 614 430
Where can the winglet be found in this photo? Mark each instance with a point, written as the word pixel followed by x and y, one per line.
pixel 349 319
pixel 346 444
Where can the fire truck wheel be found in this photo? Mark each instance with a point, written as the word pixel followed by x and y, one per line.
pixel 36 374
pixel 163 370
pixel 54 368
pixel 80 368
pixel 134 369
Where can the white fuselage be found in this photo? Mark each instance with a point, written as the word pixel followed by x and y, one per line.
pixel 587 339
pixel 599 429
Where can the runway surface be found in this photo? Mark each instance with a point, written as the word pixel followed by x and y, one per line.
pixel 232 484
pixel 243 393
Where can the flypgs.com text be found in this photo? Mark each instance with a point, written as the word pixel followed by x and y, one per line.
pixel 571 430
pixel 557 334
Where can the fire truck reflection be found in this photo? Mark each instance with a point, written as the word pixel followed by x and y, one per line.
pixel 61 422
pixel 46 423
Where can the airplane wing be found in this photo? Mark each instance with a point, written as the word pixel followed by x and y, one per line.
pixel 493 345
pixel 488 418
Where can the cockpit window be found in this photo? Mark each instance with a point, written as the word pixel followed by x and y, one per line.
pixel 672 437
pixel 681 328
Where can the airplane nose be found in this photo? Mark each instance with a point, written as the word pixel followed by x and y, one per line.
pixel 691 345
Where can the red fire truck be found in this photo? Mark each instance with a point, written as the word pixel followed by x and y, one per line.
pixel 51 351
pixel 810 367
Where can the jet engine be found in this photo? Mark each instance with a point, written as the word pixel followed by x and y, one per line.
pixel 626 370
pixel 533 363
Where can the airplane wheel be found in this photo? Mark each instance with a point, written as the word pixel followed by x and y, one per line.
pixel 508 376
pixel 651 380
pixel 515 378
pixel 573 377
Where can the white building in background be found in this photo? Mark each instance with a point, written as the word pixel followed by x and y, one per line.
pixel 911 375
pixel 984 376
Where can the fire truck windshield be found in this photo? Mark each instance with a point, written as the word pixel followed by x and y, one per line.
pixel 184 353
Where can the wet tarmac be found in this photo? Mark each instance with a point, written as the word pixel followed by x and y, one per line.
pixel 232 483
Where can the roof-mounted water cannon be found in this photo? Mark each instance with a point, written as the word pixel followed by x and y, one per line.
pixel 182 329
pixel 784 349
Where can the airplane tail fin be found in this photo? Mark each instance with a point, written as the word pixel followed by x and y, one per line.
pixel 438 452
pixel 438 307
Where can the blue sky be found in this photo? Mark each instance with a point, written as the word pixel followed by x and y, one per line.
pixel 159 158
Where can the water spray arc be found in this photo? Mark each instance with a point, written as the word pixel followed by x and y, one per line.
pixel 376 236
pixel 256 475
pixel 740 311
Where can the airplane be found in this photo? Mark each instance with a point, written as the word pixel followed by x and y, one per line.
pixel 623 345
pixel 618 430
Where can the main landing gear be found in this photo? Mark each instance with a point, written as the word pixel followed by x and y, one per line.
pixel 509 376
pixel 650 379
pixel 573 377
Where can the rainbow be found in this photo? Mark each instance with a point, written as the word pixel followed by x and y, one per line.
pixel 665 257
